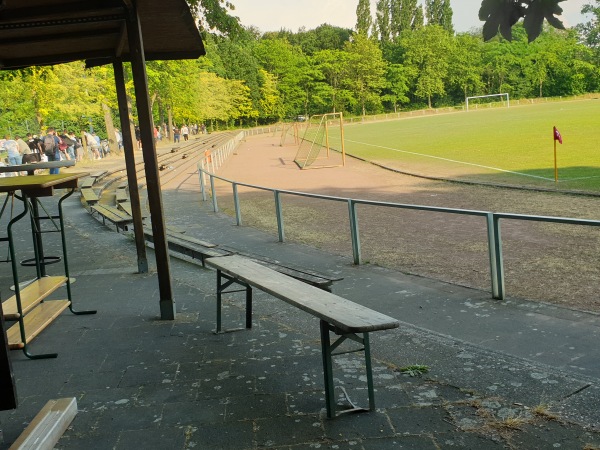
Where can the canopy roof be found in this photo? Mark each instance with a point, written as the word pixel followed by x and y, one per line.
pixel 47 32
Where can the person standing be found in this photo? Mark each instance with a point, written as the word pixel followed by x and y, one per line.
pixel 176 135
pixel 24 150
pixel 185 131
pixel 12 148
pixel 35 145
pixel 119 139
pixel 51 143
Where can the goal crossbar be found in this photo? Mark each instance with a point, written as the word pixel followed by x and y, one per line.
pixel 487 96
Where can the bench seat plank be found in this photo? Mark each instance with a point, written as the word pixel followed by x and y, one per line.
pixel 344 314
pixel 31 295
pixel 35 322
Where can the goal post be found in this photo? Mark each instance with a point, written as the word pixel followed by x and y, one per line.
pixel 323 139
pixel 502 97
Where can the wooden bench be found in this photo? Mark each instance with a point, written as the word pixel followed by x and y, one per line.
pixel 87 183
pixel 126 208
pixel 35 314
pixel 320 280
pixel 89 196
pixel 344 318
pixel 121 195
pixel 188 246
pixel 118 218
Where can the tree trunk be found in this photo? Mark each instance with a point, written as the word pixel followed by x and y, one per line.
pixel 170 127
pixel 429 101
pixel 131 124
pixel 110 130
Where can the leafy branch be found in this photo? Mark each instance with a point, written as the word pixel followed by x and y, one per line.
pixel 501 15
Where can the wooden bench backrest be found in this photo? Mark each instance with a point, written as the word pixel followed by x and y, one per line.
pixel 344 314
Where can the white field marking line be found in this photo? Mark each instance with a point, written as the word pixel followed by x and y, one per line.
pixel 452 160
pixel 580 178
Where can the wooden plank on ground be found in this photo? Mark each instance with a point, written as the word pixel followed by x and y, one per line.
pixel 48 425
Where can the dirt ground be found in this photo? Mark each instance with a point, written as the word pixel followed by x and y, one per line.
pixel 544 262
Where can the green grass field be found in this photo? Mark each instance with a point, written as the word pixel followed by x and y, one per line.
pixel 498 145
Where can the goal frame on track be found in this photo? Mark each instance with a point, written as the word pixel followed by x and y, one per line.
pixel 306 157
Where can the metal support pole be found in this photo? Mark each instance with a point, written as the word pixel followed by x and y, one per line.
pixel 214 193
pixel 202 181
pixel 248 306
pixel 369 371
pixel 219 301
pixel 354 233
pixel 279 214
pixel 236 203
pixel 327 369
pixel 495 254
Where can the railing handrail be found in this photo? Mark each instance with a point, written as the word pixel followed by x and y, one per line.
pixel 492 219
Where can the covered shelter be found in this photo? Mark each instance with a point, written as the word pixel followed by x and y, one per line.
pixel 49 32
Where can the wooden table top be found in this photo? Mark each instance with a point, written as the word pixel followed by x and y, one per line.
pixel 38 165
pixel 39 182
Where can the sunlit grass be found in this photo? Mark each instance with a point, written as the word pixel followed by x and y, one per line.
pixel 498 145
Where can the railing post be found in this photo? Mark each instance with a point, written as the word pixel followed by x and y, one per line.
pixel 354 233
pixel 495 252
pixel 214 193
pixel 279 214
pixel 202 181
pixel 236 203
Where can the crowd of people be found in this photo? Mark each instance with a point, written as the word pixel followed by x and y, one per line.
pixel 52 146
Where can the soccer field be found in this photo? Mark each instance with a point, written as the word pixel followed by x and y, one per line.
pixel 497 145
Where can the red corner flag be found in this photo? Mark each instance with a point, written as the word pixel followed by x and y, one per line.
pixel 557 136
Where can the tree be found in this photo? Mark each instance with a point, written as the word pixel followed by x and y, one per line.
pixel 439 12
pixel 590 30
pixel 405 15
pixel 363 17
pixel 427 53
pixel 383 20
pixel 465 71
pixel 333 65
pixel 365 72
pixel 397 85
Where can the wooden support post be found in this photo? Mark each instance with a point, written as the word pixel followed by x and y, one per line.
pixel 138 66
pixel 132 182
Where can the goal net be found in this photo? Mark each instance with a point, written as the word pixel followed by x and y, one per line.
pixel 487 101
pixel 322 144
pixel 289 134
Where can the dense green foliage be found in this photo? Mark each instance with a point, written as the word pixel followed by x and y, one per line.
pixel 248 77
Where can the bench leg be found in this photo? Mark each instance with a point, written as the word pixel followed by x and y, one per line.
pixel 369 371
pixel 327 352
pixel 327 369
pixel 221 286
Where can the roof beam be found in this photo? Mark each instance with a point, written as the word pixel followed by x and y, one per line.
pixel 43 38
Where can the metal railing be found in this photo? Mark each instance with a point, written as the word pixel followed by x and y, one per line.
pixel 496 261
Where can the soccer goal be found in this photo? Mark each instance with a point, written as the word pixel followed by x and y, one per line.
pixel 290 134
pixel 322 144
pixel 504 98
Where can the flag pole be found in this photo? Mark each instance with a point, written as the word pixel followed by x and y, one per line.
pixel 555 164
